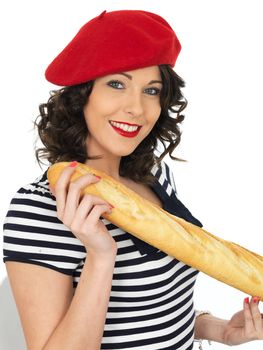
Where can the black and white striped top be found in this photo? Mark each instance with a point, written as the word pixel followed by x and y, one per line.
pixel 151 301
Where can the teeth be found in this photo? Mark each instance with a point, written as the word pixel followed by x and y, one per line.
pixel 124 127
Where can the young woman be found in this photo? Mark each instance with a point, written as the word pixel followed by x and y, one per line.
pixel 79 281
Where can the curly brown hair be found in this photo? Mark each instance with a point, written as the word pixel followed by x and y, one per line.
pixel 63 131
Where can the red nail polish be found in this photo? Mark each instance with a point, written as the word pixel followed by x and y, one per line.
pixel 255 300
pixel 73 164
pixel 247 300
pixel 98 177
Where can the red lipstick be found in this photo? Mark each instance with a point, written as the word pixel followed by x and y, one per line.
pixel 126 133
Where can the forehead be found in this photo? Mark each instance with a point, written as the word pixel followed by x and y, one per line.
pixel 147 73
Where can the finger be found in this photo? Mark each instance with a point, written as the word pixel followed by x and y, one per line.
pixel 92 220
pixel 74 194
pixel 256 314
pixel 61 188
pixel 249 324
pixel 83 210
pixel 52 190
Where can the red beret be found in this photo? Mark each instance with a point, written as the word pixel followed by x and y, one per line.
pixel 115 42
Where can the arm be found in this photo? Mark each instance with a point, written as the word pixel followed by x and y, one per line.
pixel 244 326
pixel 210 328
pixel 83 325
pixel 51 317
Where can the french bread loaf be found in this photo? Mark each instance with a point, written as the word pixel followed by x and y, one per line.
pixel 223 260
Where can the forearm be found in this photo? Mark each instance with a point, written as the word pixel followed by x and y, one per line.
pixel 83 324
pixel 210 328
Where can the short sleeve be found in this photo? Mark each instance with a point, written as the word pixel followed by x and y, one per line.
pixel 33 233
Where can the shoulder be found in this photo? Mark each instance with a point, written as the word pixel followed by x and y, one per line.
pixel 38 189
pixel 34 234
pixel 164 174
pixel 34 197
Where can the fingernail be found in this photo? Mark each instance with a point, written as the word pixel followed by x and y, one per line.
pixel 112 206
pixel 98 177
pixel 73 164
pixel 255 300
pixel 246 300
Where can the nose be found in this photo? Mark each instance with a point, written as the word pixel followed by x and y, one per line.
pixel 134 103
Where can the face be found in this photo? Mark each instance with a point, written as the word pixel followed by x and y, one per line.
pixel 121 111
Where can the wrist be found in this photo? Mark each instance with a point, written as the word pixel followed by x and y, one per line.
pixel 211 328
pixel 225 335
pixel 198 339
pixel 101 260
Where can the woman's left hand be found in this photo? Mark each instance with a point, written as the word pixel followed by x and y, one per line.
pixel 245 325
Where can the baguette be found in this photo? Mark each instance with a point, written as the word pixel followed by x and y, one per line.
pixel 223 260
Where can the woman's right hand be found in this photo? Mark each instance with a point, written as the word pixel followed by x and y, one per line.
pixel 81 214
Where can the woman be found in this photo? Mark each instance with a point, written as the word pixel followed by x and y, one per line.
pixel 79 281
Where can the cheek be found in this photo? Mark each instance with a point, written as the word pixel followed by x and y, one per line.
pixel 154 113
pixel 152 119
pixel 87 112
pixel 100 106
pixel 158 112
pixel 92 111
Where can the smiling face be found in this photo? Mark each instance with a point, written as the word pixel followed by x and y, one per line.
pixel 121 111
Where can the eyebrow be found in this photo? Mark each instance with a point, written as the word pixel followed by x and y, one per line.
pixel 130 77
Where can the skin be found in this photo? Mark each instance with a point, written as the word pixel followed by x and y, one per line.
pixel 244 326
pixel 49 312
pixel 117 97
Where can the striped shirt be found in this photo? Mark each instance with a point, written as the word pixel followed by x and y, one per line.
pixel 151 301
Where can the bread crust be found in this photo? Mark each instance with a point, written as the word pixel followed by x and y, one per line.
pixel 223 260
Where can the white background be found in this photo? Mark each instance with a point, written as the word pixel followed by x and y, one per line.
pixel 221 61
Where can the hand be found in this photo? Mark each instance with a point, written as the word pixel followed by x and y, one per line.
pixel 81 214
pixel 245 325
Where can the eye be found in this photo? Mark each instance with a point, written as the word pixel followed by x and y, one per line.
pixel 116 84
pixel 153 91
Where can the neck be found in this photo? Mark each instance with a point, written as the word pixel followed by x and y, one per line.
pixel 108 166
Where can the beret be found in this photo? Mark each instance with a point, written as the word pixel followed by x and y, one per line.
pixel 113 42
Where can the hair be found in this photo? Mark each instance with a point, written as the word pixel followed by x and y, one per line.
pixel 63 131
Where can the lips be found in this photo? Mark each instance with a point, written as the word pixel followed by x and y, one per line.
pixel 126 133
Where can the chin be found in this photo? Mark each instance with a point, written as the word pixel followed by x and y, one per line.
pixel 123 151
pixel 124 154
